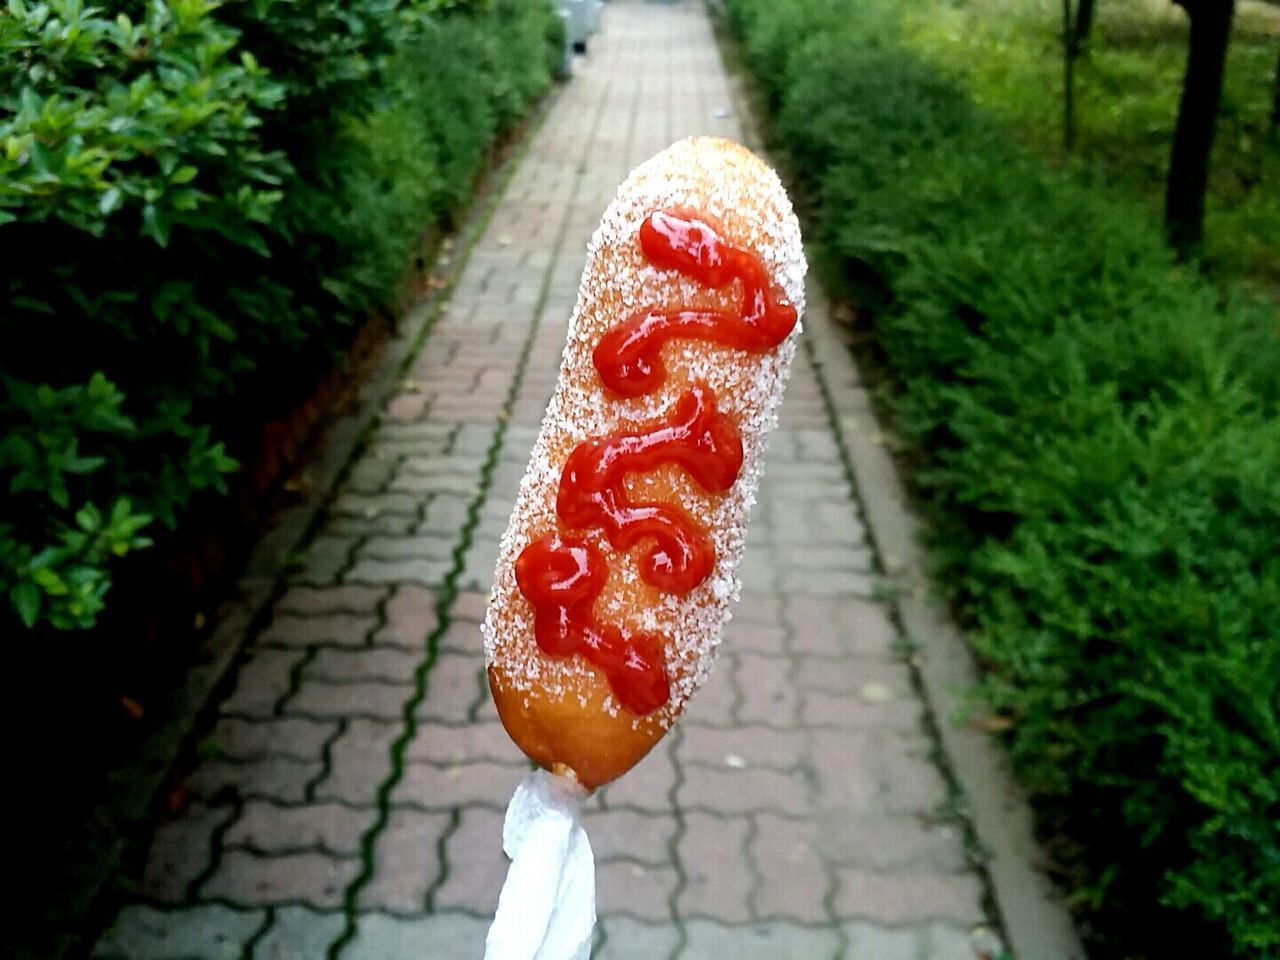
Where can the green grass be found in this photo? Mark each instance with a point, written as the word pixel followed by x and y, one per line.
pixel 1008 55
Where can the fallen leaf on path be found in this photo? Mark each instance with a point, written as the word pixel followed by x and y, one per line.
pixel 876 693
pixel 179 798
pixel 298 484
pixel 995 723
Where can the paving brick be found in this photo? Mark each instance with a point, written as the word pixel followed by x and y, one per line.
pixel 410 617
pixel 709 940
pixel 742 791
pixel 406 406
pixel 445 515
pixel 845 582
pixel 378 699
pixel 628 939
pixel 416 546
pixel 298 933
pixel 865 711
pixel 840 558
pixel 393 664
pixel 442 744
pixel 324 558
pixel 181 851
pixel 384 524
pixel 371 505
pixel 839 626
pixel 647 786
pixel 630 834
pixel 943 941
pixel 381 937
pixel 315 879
pixel 455 684
pixel 235 738
pixel 481 558
pixel 907 897
pixel 638 890
pixel 745 746
pixel 441 788
pixel 909 780
pixel 413 570
pixel 359 762
pixel 262 681
pixel 716 700
pixel 476 865
pixel 470 605
pixel 768 693
pixel 269 828
pixel 840 520
pixel 276 777
pixel 427 483
pixel 849 775
pixel 207 932
pixel 758 572
pixel 881 842
pixel 718 875
pixel 873 681
pixel 486 711
pixel 792 876
pixel 743 636
pixel 460 468
pixel 294 631
pixel 886 943
pixel 462 636
pixel 319 601
pixel 393 438
pixel 406 861
pixel 766 611
pixel 372 474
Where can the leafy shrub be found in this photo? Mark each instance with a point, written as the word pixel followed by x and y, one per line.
pixel 1098 440
pixel 197 203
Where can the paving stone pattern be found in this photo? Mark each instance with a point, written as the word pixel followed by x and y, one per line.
pixel 350 796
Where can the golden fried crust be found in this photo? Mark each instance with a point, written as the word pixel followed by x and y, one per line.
pixel 561 732
pixel 560 710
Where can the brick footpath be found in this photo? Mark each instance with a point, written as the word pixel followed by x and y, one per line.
pixel 349 799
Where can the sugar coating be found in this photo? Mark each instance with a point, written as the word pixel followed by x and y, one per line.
pixel 736 191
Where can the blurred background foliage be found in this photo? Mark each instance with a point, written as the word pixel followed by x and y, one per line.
pixel 198 204
pixel 1007 54
pixel 1093 428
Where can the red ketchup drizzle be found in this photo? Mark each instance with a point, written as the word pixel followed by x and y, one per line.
pixel 629 356
pixel 694 436
pixel 562 575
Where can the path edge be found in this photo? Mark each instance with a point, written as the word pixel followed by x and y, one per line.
pixel 1032 912
pixel 334 446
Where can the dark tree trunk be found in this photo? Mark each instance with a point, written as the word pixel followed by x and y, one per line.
pixel 1275 98
pixel 1084 21
pixel 1197 116
pixel 1070 48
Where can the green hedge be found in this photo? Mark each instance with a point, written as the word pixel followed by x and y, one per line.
pixel 1097 439
pixel 197 203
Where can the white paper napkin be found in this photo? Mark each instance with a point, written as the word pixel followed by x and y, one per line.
pixel 547 910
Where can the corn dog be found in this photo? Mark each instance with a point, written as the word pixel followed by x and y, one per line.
pixel 615 575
